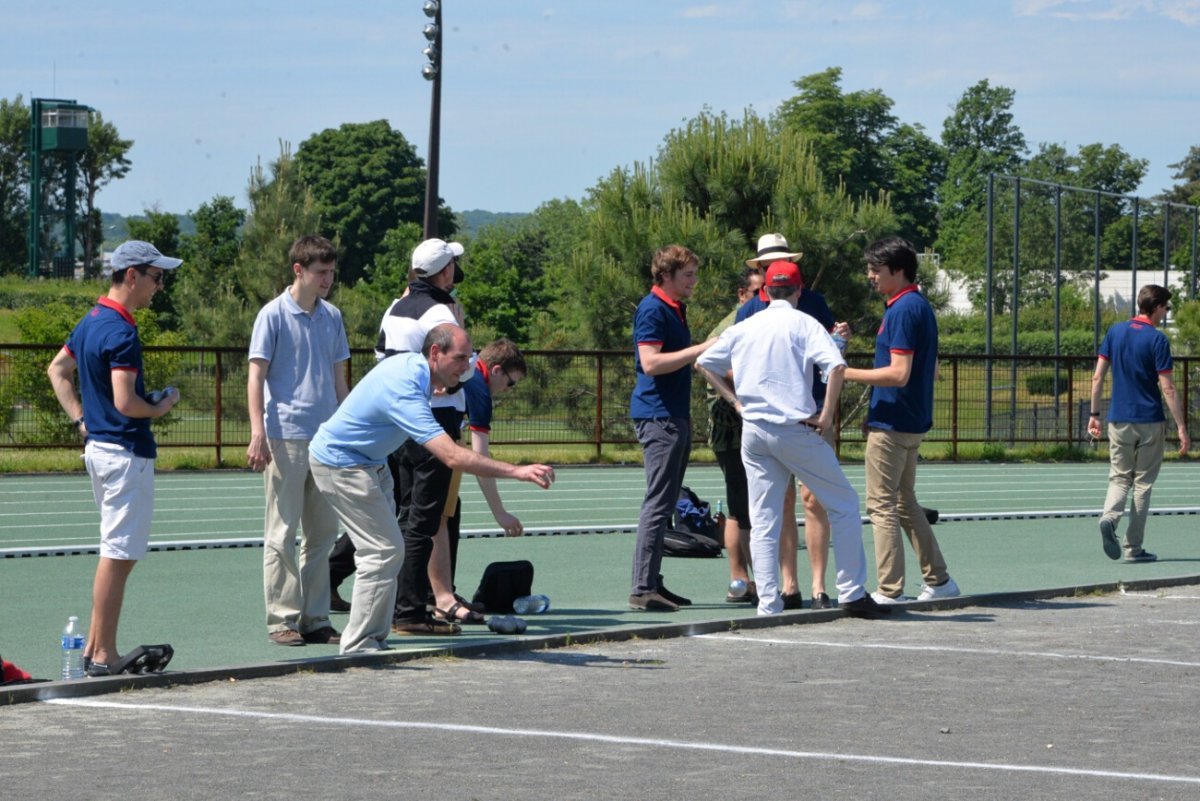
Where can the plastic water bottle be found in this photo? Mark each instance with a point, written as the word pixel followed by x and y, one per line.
pixel 72 650
pixel 840 341
pixel 531 604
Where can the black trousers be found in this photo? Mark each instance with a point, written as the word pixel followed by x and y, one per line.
pixel 422 484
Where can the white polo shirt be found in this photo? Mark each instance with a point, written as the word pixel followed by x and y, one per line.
pixel 772 355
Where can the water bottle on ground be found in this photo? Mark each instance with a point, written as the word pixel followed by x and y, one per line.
pixel 72 650
pixel 531 604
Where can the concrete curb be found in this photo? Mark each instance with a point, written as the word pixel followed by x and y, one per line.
pixel 500 645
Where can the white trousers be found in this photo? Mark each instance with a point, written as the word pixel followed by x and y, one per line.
pixel 773 453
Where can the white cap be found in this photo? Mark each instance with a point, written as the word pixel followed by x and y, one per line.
pixel 432 255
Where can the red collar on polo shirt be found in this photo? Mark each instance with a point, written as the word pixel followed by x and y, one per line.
pixel 670 301
pixel 487 371
pixel 118 308
pixel 1141 318
pixel 901 293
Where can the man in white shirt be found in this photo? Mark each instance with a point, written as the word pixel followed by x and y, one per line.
pixel 772 356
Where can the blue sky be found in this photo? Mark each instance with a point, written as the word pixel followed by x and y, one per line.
pixel 540 99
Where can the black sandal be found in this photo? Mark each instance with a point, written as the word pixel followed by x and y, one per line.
pixel 451 615
pixel 143 659
pixel 473 606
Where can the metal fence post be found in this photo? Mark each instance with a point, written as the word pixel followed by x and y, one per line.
pixel 220 411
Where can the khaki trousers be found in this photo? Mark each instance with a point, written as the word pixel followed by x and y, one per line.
pixel 362 497
pixel 1135 455
pixel 891 464
pixel 295 586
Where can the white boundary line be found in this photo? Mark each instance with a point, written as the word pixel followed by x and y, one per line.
pixel 948 650
pixel 637 741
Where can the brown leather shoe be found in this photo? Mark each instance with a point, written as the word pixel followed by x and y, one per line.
pixel 286 637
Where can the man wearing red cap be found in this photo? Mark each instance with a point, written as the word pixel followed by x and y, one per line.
pixel 772 356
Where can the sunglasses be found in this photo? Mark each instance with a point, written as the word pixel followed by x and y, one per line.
pixel 509 378
pixel 158 277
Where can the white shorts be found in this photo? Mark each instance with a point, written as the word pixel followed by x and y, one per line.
pixel 123 485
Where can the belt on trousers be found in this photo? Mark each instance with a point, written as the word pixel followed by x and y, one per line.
pixel 813 426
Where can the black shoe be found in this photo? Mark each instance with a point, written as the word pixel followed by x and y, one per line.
pixel 651 602
pixel 326 635
pixel 793 600
pixel 337 603
pixel 678 600
pixel 865 607
pixel 821 601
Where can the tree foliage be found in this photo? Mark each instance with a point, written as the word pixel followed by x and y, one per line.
pixel 14 180
pixel 365 179
pixel 105 160
pixel 716 185
pixel 860 145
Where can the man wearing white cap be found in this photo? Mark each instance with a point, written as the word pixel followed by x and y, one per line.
pixel 773 356
pixel 113 412
pixel 422 482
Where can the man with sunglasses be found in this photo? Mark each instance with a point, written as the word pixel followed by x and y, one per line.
pixel 1140 358
pixel 499 367
pixel 113 412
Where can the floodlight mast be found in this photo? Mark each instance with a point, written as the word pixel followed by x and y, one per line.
pixel 432 71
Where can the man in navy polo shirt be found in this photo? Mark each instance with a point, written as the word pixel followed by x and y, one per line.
pixel 113 414
pixel 900 414
pixel 661 410
pixel 1140 357
pixel 498 368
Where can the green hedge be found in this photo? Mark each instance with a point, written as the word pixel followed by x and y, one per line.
pixel 1029 343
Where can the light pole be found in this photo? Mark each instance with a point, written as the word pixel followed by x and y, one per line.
pixel 432 71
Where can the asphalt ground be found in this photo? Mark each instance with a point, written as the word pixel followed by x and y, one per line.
pixel 1087 697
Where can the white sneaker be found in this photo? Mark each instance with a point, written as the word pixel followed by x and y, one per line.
pixel 947 590
pixel 887 600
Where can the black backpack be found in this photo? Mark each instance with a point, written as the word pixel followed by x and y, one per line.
pixel 502 582
pixel 688 543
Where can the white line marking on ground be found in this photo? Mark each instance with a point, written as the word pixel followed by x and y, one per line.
pixel 638 741
pixel 948 650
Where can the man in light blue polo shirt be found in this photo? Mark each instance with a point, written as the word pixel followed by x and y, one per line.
pixel 297 378
pixel 348 458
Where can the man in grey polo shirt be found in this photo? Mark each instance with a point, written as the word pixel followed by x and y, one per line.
pixel 298 355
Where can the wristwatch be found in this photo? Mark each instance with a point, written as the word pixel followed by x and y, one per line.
pixel 78 423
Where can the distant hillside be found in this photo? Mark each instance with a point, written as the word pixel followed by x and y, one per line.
pixel 116 227
pixel 470 222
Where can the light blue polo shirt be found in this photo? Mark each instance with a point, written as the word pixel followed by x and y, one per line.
pixel 388 406
pixel 302 351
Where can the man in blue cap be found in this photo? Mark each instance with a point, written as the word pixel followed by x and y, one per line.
pixel 113 412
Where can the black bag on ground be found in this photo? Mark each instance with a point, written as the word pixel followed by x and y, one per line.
pixel 502 582
pixel 678 542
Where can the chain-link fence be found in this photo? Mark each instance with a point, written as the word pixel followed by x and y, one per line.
pixel 581 398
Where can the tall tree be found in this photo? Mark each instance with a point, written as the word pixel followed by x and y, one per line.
pixel 861 146
pixel 365 178
pixel 105 160
pixel 980 137
pixel 14 180
pixel 209 260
